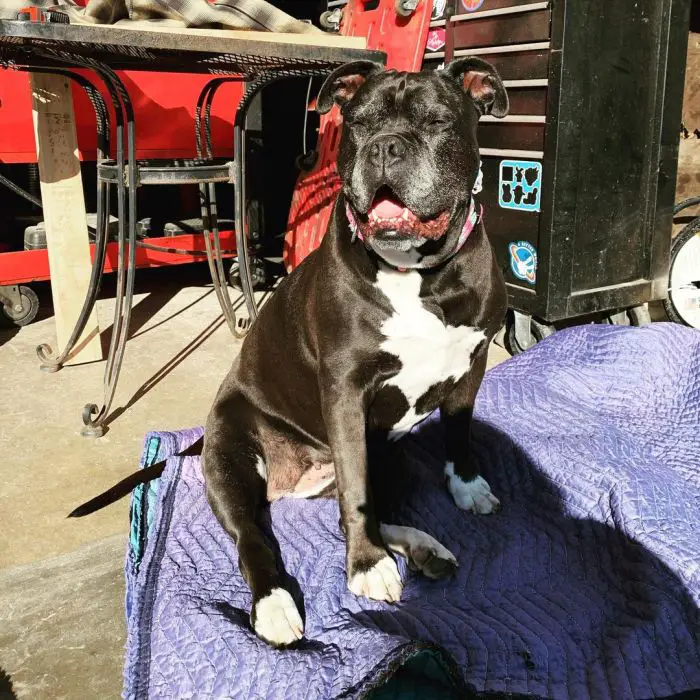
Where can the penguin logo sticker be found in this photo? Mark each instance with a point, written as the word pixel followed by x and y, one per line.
pixel 523 261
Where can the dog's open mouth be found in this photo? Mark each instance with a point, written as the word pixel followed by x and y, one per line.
pixel 393 225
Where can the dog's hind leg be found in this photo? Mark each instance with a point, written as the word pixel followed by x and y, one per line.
pixel 424 553
pixel 235 479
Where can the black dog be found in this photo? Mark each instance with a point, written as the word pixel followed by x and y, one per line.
pixel 388 320
pixel 367 337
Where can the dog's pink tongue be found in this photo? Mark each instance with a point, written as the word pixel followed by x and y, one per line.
pixel 386 208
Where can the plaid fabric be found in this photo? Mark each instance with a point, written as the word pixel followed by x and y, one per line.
pixel 255 15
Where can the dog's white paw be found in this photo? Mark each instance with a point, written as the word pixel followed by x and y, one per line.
pixel 277 619
pixel 474 495
pixel 381 582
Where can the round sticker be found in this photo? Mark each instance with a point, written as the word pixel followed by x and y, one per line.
pixel 523 261
pixel 472 5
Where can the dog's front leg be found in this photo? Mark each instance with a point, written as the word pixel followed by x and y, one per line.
pixel 371 570
pixel 469 489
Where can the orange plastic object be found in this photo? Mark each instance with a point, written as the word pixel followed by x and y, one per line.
pixel 31 14
pixel 403 40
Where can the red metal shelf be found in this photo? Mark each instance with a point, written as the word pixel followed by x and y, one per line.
pixel 24 266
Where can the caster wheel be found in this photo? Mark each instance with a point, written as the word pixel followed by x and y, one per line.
pixel 538 331
pixel 639 315
pixel 405 8
pixel 634 316
pixel 306 161
pixel 683 303
pixel 258 274
pixel 330 20
pixel 25 312
pixel 619 318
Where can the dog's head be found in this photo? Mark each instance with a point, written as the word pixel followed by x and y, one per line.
pixel 408 156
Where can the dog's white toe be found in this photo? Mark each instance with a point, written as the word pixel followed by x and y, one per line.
pixel 381 582
pixel 277 619
pixel 474 495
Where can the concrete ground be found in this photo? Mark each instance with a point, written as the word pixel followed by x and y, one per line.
pixel 62 628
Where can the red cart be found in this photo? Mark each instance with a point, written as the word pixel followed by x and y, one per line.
pixel 164 107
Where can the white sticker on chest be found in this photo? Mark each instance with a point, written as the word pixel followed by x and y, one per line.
pixel 430 351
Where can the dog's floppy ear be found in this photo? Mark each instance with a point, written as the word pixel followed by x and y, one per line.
pixel 481 82
pixel 342 84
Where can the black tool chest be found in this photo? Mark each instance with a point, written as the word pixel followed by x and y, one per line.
pixel 579 178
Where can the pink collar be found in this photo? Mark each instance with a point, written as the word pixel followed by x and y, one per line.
pixel 475 213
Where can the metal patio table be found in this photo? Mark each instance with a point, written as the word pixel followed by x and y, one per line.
pixel 255 58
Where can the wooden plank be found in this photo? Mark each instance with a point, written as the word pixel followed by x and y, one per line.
pixel 64 211
pixel 313 39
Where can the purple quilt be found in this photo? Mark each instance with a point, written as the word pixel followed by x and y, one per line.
pixel 585 585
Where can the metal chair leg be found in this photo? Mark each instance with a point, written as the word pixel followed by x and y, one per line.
pixel 214 258
pixel 238 327
pixel 240 204
pixel 94 417
pixel 239 139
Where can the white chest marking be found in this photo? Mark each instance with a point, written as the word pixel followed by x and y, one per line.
pixel 430 352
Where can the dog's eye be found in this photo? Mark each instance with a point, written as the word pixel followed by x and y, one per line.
pixel 355 122
pixel 353 118
pixel 438 123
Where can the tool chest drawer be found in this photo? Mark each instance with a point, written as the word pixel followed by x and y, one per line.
pixel 513 132
pixel 517 24
pixel 469 6
pixel 528 101
pixel 524 62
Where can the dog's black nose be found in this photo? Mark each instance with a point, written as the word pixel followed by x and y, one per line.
pixel 386 150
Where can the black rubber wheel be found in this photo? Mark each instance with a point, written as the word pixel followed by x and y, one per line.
pixel 258 273
pixel 29 310
pixel 683 303
pixel 306 161
pixel 538 331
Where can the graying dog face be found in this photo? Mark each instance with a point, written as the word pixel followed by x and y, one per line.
pixel 408 156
